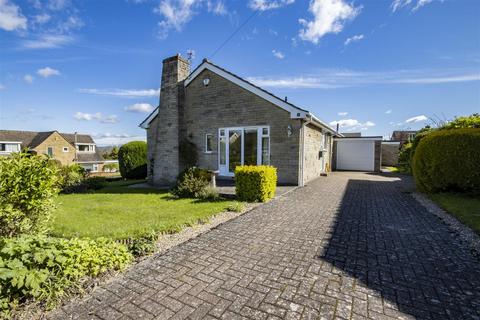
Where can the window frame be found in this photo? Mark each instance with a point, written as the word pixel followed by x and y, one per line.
pixel 206 142
pixel 48 153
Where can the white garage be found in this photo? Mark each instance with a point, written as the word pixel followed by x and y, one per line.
pixel 358 153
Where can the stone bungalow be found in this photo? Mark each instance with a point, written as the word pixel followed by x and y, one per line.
pixel 67 148
pixel 227 121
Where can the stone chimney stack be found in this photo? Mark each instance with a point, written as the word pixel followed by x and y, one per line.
pixel 167 163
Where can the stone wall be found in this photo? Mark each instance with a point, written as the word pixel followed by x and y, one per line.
pixel 378 156
pixel 224 104
pixel 316 160
pixel 390 154
pixel 56 141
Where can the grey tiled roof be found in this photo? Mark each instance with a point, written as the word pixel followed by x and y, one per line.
pixel 31 139
pixel 90 157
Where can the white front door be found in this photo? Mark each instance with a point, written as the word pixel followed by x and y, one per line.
pixel 242 146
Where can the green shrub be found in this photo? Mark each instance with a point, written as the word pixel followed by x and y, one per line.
pixel 70 176
pixel 95 183
pixel 472 121
pixel 255 183
pixel 132 160
pixel 208 193
pixel 192 182
pixel 28 185
pixel 110 167
pixel 448 160
pixel 42 268
pixel 236 206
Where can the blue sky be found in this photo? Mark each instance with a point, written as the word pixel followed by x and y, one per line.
pixel 372 66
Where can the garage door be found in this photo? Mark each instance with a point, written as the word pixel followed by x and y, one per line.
pixel 356 155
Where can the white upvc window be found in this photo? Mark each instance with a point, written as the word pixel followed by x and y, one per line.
pixel 209 141
pixel 9 147
pixel 85 147
pixel 95 167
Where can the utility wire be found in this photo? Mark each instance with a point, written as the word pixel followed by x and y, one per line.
pixel 233 34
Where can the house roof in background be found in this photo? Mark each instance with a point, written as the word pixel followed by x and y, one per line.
pixel 32 139
pixel 90 157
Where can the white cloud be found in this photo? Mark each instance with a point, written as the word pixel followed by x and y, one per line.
pixel 28 78
pixel 47 41
pixel 128 93
pixel 333 78
pixel 416 119
pixel 109 119
pixel 140 108
pixel 399 4
pixel 42 18
pixel 217 8
pixel 48 72
pixel 388 111
pixel 329 16
pixel 57 4
pixel 87 116
pixel 342 114
pixel 263 5
pixel 278 54
pixel 10 17
pixel 352 124
pixel 81 116
pixel 355 38
pixel 176 14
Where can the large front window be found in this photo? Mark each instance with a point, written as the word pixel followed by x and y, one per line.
pixel 86 147
pixel 243 146
pixel 9 147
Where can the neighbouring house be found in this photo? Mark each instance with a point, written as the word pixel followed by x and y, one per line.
pixel 67 148
pixel 226 121
pixel 403 136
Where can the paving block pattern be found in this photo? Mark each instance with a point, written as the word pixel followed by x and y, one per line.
pixel 347 246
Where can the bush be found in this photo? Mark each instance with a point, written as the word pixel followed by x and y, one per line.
pixel 42 268
pixel 70 176
pixel 448 160
pixel 132 160
pixel 110 167
pixel 236 206
pixel 28 185
pixel 255 183
pixel 95 183
pixel 208 193
pixel 192 182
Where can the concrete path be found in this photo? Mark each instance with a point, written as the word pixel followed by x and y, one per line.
pixel 347 246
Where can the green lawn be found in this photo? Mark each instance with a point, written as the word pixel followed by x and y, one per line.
pixel 120 212
pixel 466 208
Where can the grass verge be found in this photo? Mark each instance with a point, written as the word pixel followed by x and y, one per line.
pixel 464 207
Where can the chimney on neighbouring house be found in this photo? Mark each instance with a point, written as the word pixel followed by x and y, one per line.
pixel 166 144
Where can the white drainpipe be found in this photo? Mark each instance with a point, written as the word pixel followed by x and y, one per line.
pixel 301 183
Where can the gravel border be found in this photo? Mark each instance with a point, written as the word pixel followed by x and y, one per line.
pixel 463 232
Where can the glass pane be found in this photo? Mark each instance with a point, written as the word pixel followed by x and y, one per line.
pixel 266 151
pixel 209 147
pixel 222 132
pixel 265 131
pixel 235 149
pixel 250 147
pixel 223 151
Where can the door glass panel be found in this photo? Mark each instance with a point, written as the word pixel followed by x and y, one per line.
pixel 266 150
pixel 235 149
pixel 223 151
pixel 250 147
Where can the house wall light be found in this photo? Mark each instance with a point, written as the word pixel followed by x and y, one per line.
pixel 289 130
pixel 206 82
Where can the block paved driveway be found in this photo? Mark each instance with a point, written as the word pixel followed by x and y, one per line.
pixel 348 246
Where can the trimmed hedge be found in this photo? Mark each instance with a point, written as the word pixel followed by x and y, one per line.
pixel 255 183
pixel 448 160
pixel 132 160
pixel 42 269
